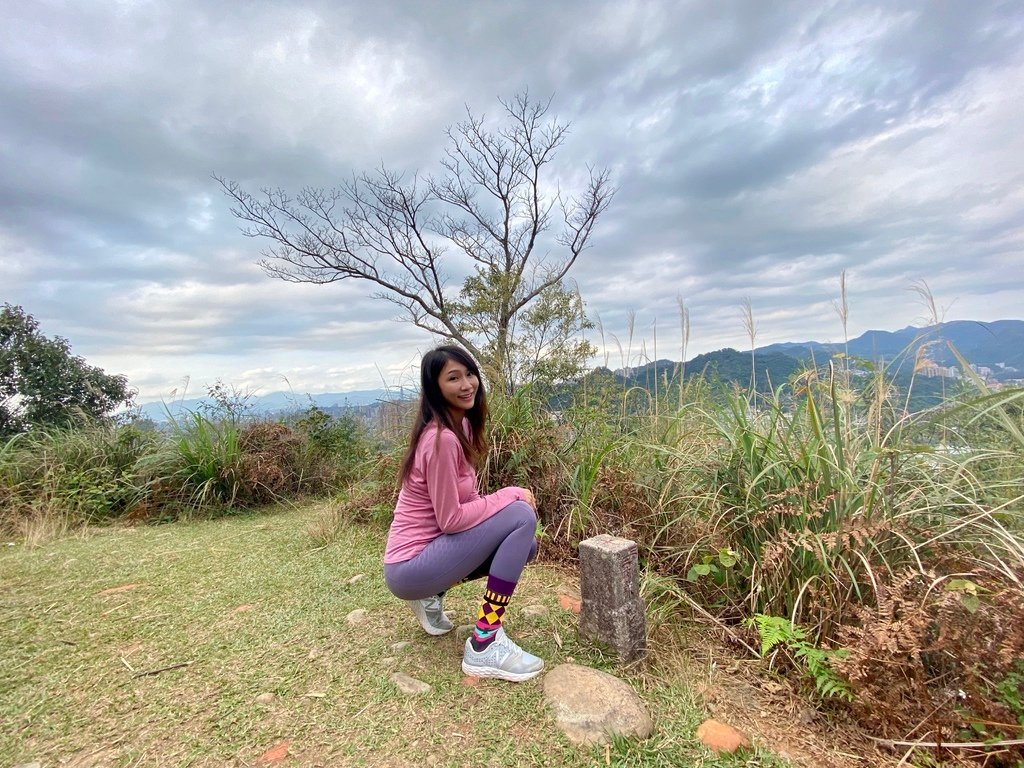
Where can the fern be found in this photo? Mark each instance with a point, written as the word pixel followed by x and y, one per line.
pixel 776 631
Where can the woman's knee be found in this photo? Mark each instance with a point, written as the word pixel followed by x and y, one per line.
pixel 522 512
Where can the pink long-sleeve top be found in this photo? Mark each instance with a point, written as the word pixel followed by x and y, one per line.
pixel 439 496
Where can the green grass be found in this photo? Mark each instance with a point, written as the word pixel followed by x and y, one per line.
pixel 254 605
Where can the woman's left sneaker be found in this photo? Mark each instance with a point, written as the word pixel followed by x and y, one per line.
pixel 501 659
pixel 431 615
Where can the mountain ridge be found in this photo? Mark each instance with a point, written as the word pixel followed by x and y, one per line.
pixel 996 346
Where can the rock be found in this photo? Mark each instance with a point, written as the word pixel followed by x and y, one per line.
pixel 720 737
pixel 409 685
pixel 590 705
pixel 315 653
pixel 535 610
pixel 400 646
pixel 276 753
pixel 265 698
pixel 462 631
pixel 356 579
pixel 358 616
pixel 469 681
pixel 570 603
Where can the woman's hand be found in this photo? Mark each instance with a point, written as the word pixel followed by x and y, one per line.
pixel 529 498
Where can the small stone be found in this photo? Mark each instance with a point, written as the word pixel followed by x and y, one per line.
pixel 400 646
pixel 409 685
pixel 535 610
pixel 469 681
pixel 590 706
pixel 265 698
pixel 356 579
pixel 358 616
pixel 720 737
pixel 462 631
pixel 315 653
pixel 570 603
pixel 276 753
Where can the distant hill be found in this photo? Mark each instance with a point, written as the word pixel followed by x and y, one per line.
pixel 995 348
pixel 998 345
pixel 728 365
pixel 278 403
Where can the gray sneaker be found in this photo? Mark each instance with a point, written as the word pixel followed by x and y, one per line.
pixel 431 615
pixel 502 659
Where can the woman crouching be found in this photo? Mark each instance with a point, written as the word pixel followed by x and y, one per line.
pixel 444 532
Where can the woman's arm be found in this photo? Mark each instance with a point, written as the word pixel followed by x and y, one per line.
pixel 442 459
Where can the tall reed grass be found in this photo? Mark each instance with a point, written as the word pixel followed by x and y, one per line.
pixel 825 507
pixel 54 480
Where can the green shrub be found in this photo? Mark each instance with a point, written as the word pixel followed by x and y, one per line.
pixel 335 447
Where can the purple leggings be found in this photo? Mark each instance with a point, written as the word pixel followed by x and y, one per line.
pixel 499 546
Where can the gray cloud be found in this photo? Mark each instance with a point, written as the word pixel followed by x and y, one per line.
pixel 759 148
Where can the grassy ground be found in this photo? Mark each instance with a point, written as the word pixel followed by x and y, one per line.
pixel 253 606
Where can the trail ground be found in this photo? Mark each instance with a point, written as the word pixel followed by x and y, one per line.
pixel 227 643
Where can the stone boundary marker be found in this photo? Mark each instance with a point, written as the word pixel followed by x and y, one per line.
pixel 612 611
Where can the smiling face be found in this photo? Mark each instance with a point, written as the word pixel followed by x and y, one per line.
pixel 458 386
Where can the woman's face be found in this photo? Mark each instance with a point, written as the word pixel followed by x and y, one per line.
pixel 458 387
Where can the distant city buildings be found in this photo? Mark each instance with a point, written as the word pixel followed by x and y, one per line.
pixel 932 370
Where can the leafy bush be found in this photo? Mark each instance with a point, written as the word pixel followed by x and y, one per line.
pixel 335 447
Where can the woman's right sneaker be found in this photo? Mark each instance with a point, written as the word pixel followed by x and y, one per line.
pixel 501 659
pixel 430 612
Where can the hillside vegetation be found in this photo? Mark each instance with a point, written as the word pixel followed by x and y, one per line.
pixel 874 554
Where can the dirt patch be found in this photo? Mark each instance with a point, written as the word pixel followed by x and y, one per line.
pixel 748 696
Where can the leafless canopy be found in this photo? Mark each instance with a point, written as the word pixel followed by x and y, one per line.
pixel 494 202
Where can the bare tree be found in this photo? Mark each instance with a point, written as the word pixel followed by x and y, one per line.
pixel 493 202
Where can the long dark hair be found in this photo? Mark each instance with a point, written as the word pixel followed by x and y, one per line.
pixel 434 408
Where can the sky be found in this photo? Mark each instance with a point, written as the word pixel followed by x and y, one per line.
pixel 759 151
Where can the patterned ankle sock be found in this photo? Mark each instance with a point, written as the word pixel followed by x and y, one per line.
pixel 492 609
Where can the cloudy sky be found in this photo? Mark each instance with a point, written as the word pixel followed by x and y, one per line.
pixel 759 149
